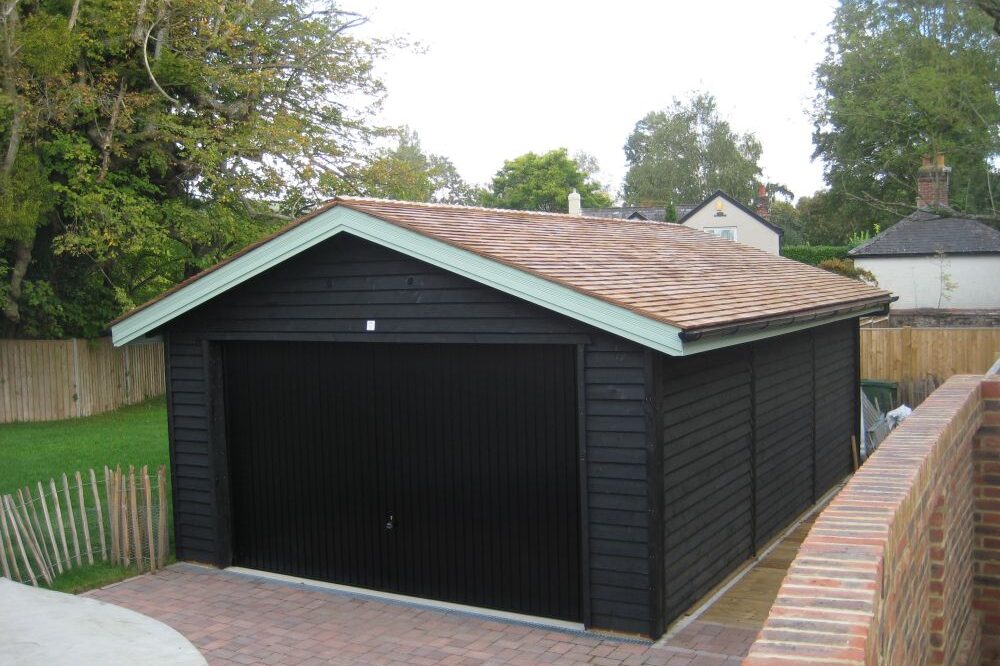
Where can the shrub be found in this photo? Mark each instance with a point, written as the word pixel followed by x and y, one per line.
pixel 847 268
pixel 814 255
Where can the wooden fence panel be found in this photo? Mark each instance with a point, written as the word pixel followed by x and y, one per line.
pixel 921 358
pixel 42 380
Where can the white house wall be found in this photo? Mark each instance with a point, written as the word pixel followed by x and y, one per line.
pixel 748 230
pixel 923 282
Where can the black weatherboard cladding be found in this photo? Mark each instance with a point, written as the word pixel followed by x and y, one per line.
pixel 752 436
pixel 707 411
pixel 327 294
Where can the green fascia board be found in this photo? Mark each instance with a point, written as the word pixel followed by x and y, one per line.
pixel 545 293
pixel 520 284
pixel 739 338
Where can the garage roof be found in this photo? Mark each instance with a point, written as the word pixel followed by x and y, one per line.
pixel 620 275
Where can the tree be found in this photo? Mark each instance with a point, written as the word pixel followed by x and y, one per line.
pixel 685 153
pixel 143 140
pixel 544 182
pixel 406 173
pixel 785 216
pixel 992 9
pixel 902 79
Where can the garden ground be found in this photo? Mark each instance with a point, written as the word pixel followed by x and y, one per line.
pixel 32 452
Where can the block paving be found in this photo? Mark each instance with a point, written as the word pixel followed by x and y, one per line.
pixel 235 618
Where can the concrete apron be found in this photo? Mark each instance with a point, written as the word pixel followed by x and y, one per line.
pixel 44 627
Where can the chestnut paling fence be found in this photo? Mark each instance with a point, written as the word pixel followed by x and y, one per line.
pixel 119 516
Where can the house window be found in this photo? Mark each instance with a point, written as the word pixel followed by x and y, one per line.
pixel 729 233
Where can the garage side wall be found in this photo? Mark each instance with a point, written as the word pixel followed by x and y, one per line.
pixel 753 435
pixel 328 294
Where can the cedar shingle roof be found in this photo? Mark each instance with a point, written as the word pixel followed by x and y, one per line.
pixel 926 233
pixel 666 272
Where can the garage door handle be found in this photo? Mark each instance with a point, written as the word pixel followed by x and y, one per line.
pixel 391 523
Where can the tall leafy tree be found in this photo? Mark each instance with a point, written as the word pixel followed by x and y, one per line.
pixel 685 152
pixel 902 79
pixel 544 182
pixel 145 139
pixel 407 173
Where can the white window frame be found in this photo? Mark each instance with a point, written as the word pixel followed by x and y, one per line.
pixel 729 233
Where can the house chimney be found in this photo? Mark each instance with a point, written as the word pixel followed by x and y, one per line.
pixel 574 203
pixel 763 203
pixel 932 182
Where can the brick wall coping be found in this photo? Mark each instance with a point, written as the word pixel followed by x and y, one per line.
pixel 829 609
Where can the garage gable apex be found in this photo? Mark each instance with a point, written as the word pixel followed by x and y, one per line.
pixel 341 219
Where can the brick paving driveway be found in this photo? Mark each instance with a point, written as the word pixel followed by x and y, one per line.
pixel 238 619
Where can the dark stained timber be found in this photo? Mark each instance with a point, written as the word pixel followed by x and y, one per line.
pixel 439 471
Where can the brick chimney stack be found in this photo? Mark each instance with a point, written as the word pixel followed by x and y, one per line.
pixel 763 203
pixel 932 182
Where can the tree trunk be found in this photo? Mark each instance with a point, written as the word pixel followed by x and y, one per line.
pixel 109 135
pixel 22 257
pixel 22 249
pixel 74 13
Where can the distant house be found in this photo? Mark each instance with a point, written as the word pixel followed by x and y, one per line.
pixel 933 259
pixel 719 214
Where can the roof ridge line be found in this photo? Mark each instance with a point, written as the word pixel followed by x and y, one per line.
pixel 485 209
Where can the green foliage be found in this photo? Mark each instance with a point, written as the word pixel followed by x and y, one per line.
pixel 406 173
pixel 787 217
pixel 814 255
pixel 902 79
pixel 859 237
pixel 685 153
pixel 155 138
pixel 25 198
pixel 543 183
pixel 47 48
pixel 847 268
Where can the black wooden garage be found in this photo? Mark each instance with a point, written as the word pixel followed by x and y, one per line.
pixel 581 419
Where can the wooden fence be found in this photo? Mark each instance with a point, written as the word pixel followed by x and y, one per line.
pixel 919 359
pixel 42 380
pixel 122 519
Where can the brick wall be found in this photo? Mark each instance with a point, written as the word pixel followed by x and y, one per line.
pixel 986 590
pixel 903 566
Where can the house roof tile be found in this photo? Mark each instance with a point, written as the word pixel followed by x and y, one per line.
pixel 927 233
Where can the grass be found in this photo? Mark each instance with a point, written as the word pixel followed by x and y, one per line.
pixel 31 452
pixel 134 435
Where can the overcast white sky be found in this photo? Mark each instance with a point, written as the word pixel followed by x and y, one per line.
pixel 499 79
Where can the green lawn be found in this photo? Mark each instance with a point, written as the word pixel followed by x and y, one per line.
pixel 31 452
pixel 135 435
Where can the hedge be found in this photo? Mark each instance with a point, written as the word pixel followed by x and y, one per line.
pixel 814 254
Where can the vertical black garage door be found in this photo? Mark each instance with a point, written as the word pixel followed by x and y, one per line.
pixel 440 471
